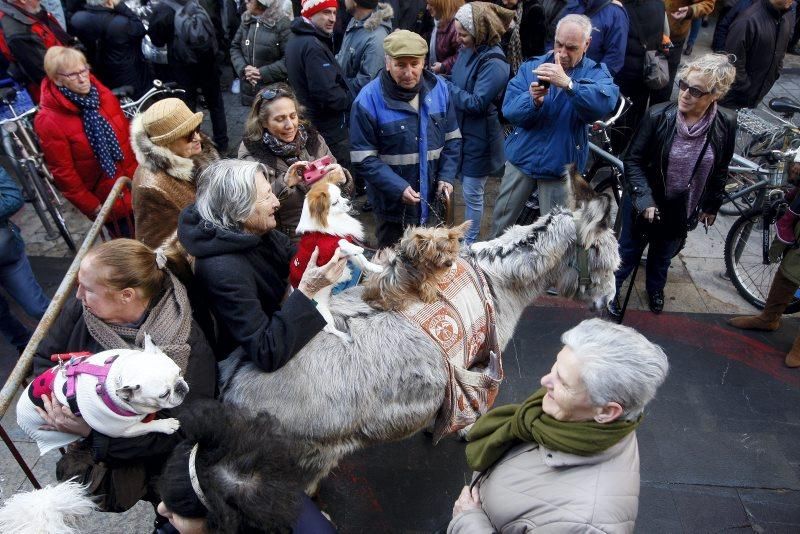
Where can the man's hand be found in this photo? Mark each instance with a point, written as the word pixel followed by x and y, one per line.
pixel 553 73
pixel 410 196
pixel 445 187
pixel 680 13
pixel 537 93
pixel 61 419
pixel 649 214
pixel 468 500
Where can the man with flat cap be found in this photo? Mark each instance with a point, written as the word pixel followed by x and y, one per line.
pixel 405 140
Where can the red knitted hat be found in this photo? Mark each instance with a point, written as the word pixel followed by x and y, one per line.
pixel 315 6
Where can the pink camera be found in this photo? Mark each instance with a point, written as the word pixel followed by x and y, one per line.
pixel 316 169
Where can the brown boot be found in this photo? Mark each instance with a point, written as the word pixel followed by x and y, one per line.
pixel 793 358
pixel 780 295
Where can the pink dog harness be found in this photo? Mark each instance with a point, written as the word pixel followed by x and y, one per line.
pixel 77 365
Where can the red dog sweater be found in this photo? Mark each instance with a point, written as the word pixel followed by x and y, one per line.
pixel 327 244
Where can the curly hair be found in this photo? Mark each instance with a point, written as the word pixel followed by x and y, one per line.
pixel 716 69
pixel 244 466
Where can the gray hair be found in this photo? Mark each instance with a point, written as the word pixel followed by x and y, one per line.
pixel 226 191
pixel 584 22
pixel 618 364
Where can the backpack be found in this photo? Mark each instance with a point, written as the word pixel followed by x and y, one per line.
pixel 195 38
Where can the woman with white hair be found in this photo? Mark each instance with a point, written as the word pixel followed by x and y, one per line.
pixel 242 265
pixel 566 459
pixel 675 172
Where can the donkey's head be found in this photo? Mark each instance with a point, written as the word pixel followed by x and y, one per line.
pixel 596 254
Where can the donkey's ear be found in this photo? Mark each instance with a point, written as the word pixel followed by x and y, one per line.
pixel 579 192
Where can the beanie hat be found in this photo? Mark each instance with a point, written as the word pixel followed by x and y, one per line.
pixel 368 4
pixel 310 7
pixel 464 17
pixel 168 120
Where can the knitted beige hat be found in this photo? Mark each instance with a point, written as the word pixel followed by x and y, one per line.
pixel 168 120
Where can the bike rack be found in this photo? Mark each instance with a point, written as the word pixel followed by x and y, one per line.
pixel 22 368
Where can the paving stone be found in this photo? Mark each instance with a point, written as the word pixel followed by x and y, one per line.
pixel 709 509
pixel 774 511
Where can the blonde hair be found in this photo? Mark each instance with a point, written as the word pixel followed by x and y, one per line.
pixel 59 57
pixel 260 110
pixel 446 9
pixel 716 69
pixel 123 263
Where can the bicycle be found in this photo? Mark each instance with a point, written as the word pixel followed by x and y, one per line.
pixel 604 175
pixel 748 242
pixel 131 107
pixel 764 137
pixel 21 145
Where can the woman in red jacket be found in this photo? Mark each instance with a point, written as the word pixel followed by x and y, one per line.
pixel 85 137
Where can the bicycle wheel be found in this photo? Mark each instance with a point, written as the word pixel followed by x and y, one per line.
pixel 745 261
pixel 736 182
pixel 44 192
pixel 605 181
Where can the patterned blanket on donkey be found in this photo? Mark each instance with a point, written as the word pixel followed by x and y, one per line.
pixel 462 323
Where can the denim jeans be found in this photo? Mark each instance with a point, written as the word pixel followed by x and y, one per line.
pixel 473 189
pixel 632 242
pixel 17 278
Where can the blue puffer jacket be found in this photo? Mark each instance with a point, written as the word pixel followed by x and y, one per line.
pixel 609 31
pixel 386 143
pixel 547 138
pixel 474 83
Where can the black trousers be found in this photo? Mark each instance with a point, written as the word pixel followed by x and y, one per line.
pixel 205 77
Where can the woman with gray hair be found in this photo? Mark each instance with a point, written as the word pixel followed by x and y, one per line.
pixel 566 459
pixel 675 172
pixel 242 266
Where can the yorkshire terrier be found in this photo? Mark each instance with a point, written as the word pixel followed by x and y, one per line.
pixel 414 268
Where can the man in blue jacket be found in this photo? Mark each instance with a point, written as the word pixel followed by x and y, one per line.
pixel 609 30
pixel 550 102
pixel 404 165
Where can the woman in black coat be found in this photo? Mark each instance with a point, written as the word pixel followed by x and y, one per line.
pixel 242 263
pixel 675 172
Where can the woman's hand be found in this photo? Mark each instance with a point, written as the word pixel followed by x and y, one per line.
pixel 315 278
pixel 336 173
pixel 252 74
pixel 650 213
pixel 468 500
pixel 706 219
pixel 61 419
pixel 294 174
pixel 680 13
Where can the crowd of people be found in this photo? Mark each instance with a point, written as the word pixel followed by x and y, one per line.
pixel 407 99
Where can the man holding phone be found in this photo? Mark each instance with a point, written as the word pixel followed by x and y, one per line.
pixel 550 102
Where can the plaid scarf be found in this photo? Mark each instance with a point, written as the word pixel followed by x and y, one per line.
pixel 101 136
pixel 289 152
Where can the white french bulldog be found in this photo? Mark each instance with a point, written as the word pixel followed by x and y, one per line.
pixel 138 383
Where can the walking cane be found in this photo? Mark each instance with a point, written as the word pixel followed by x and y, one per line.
pixel 644 240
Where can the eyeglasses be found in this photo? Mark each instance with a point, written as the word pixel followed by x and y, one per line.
pixel 77 75
pixel 190 136
pixel 694 91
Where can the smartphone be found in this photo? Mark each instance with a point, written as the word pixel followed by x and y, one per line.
pixel 541 83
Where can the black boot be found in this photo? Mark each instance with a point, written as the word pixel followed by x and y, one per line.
pixel 656 301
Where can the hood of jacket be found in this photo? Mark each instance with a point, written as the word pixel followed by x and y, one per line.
pixel 203 239
pixel 17 14
pixel 270 20
pixel 157 158
pixel 381 16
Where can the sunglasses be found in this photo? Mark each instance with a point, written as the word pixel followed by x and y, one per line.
pixel 267 95
pixel 77 75
pixel 190 136
pixel 694 91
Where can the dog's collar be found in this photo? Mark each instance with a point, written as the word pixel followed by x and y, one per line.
pixel 79 366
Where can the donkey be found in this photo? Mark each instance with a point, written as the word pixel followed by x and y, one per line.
pixel 336 398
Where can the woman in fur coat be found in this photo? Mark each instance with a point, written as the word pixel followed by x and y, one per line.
pixel 171 152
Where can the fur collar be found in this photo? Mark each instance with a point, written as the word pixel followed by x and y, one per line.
pixel 382 14
pixel 156 158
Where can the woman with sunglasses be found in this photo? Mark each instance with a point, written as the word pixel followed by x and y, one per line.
pixel 171 151
pixel 277 136
pixel 675 172
pixel 84 137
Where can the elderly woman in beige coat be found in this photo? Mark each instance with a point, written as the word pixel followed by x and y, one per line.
pixel 171 151
pixel 566 460
pixel 277 136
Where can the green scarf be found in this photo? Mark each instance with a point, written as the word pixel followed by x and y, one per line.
pixel 502 428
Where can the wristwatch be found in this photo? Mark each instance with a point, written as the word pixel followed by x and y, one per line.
pixel 569 87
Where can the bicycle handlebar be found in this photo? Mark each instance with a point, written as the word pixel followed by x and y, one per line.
pixel 158 87
pixel 21 116
pixel 624 102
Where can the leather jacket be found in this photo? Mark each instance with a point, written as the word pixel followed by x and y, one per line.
pixel 647 158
